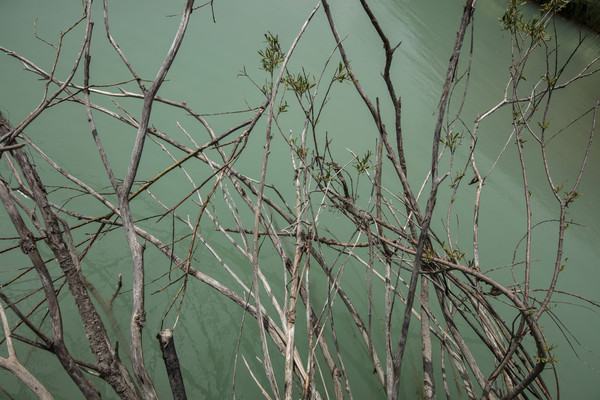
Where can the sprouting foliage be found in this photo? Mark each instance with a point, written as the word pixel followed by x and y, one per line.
pixel 570 196
pixel 564 264
pixel 284 107
pixel 326 174
pixel 457 178
pixel 550 80
pixel 301 151
pixel 549 359
pixel 535 27
pixel 342 74
pixel 452 140
pixel 454 255
pixel 329 229
pixel 299 84
pixel 272 55
pixel 363 164
pixel 554 6
pixel 544 126
pixel 567 195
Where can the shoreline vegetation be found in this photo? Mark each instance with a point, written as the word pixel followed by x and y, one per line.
pixel 582 12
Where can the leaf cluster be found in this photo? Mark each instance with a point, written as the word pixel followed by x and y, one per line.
pixel 272 55
pixel 300 83
pixel 534 27
pixel 363 164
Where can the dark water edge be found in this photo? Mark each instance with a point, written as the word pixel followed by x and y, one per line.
pixel 582 12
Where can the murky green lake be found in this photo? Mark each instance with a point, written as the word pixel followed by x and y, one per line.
pixel 206 75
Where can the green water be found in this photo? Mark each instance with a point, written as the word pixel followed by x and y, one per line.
pixel 206 76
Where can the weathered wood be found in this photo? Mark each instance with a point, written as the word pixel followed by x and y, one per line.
pixel 12 364
pixel 110 366
pixel 167 346
pixel 29 247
